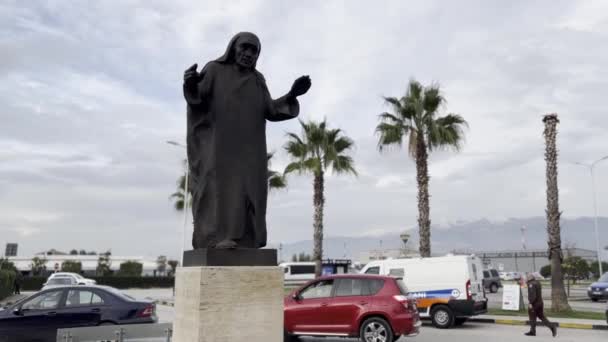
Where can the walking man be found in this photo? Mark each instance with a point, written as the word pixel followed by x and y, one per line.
pixel 536 307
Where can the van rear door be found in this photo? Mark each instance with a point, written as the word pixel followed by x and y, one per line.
pixel 476 278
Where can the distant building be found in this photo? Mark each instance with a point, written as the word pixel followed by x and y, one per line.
pixel 525 260
pixel 89 263
pixel 11 249
pixel 389 253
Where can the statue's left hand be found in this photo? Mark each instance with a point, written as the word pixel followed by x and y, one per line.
pixel 300 86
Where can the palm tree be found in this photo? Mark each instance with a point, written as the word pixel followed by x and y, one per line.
pixel 317 151
pixel 178 195
pixel 559 300
pixel 415 115
pixel 275 179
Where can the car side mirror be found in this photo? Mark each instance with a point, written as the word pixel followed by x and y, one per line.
pixel 17 311
pixel 296 296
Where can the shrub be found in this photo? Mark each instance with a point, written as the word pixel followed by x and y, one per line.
pixel 130 269
pixel 545 271
pixel 6 283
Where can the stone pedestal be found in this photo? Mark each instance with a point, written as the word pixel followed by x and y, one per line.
pixel 228 304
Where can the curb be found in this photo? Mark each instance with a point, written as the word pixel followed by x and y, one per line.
pixel 586 326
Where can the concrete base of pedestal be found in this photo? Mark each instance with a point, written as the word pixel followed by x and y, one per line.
pixel 228 304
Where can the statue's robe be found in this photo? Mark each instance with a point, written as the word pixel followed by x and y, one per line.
pixel 226 138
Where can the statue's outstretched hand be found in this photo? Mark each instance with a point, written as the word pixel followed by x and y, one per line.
pixel 191 76
pixel 300 86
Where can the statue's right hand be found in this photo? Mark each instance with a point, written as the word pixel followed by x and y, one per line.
pixel 191 76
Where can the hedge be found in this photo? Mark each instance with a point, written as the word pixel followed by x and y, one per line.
pixel 35 283
pixel 7 279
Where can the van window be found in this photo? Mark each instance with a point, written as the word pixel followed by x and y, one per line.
pixel 486 274
pixel 302 269
pixel 396 272
pixel 373 270
pixel 494 273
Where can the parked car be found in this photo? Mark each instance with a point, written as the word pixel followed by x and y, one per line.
pixel 370 307
pixel 448 289
pixel 491 280
pixel 38 317
pixel 59 281
pixel 599 289
pixel 78 279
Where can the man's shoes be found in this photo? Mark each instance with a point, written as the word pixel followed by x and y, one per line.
pixel 529 333
pixel 554 330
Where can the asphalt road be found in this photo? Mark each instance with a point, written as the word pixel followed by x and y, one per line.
pixel 470 332
pixel 492 333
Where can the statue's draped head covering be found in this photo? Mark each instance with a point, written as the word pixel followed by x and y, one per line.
pixel 240 37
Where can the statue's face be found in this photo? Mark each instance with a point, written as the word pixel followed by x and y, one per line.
pixel 246 54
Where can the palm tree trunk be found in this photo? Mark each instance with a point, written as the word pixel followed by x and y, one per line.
pixel 424 221
pixel 559 300
pixel 318 203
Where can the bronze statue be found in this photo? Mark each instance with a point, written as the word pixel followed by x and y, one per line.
pixel 228 105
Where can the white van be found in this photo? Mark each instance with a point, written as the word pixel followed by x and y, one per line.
pixel 448 289
pixel 298 271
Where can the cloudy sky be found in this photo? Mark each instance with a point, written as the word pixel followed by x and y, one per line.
pixel 90 92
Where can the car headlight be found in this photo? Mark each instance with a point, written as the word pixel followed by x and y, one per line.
pixel 589 288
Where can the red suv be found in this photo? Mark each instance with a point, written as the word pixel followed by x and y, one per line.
pixel 373 308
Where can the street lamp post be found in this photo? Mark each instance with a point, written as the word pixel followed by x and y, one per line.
pixel 186 201
pixel 597 236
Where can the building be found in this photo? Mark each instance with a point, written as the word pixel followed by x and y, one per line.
pixel 525 260
pixel 89 263
pixel 392 253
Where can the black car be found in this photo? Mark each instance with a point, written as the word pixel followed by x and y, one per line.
pixel 38 317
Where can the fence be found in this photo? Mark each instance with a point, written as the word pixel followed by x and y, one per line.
pixel 118 333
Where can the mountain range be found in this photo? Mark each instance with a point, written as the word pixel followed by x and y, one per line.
pixel 474 236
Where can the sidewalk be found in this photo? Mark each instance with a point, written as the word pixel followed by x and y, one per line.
pixel 569 323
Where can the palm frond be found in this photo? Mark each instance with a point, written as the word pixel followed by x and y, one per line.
pixel 390 118
pixel 277 181
pixel 433 99
pixel 447 132
pixel 389 135
pixel 344 164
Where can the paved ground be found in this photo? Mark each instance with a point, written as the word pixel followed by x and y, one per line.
pixel 493 333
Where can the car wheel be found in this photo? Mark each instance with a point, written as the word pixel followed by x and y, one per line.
pixel 376 329
pixel 493 288
pixel 594 299
pixel 442 317
pixel 458 321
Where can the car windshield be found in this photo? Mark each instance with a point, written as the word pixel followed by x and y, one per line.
pixel 604 278
pixel 402 287
pixel 60 281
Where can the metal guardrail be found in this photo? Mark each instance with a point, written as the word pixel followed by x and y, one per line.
pixel 118 333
